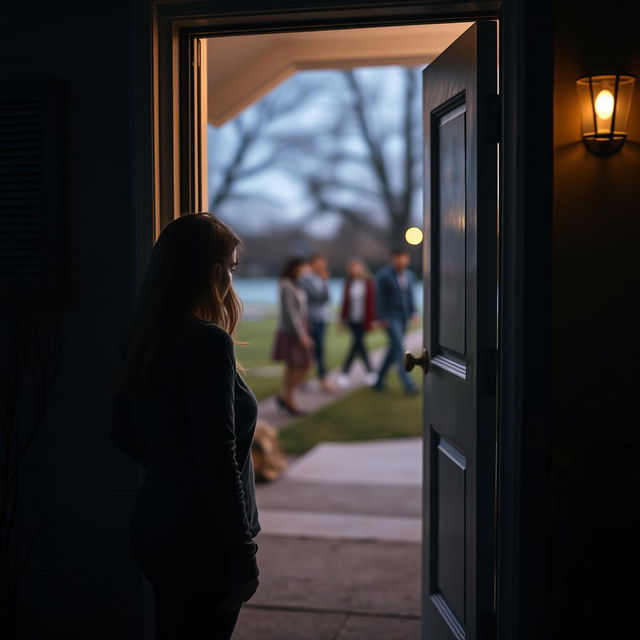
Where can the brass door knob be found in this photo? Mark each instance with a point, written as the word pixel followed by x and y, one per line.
pixel 410 361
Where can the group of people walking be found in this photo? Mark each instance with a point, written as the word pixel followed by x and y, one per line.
pixel 386 301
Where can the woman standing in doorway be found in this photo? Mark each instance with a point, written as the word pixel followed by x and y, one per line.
pixel 358 311
pixel 184 413
pixel 293 344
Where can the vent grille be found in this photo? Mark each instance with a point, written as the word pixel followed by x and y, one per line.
pixel 29 206
pixel 22 218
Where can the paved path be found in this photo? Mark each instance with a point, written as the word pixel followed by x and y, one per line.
pixel 339 553
pixel 349 490
pixel 311 397
pixel 339 550
pixel 318 589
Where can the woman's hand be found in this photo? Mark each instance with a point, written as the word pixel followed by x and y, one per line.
pixel 240 593
pixel 306 340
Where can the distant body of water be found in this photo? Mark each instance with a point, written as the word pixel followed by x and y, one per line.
pixel 263 292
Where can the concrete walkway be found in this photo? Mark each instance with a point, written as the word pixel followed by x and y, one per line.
pixel 319 589
pixel 339 553
pixel 311 398
pixel 348 490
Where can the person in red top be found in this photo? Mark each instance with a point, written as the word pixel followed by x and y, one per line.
pixel 358 314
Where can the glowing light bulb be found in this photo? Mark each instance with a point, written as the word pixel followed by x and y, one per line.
pixel 413 235
pixel 604 104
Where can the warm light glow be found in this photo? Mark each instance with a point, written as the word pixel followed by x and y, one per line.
pixel 413 235
pixel 604 104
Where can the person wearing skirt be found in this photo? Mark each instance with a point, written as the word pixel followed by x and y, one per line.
pixel 293 344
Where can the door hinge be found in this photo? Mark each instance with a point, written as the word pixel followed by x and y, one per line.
pixel 489 370
pixel 487 626
pixel 493 111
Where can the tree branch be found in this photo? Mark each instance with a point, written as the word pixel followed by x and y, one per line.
pixel 375 152
pixel 336 183
pixel 359 217
pixel 409 145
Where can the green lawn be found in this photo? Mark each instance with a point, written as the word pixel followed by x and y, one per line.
pixel 263 375
pixel 362 415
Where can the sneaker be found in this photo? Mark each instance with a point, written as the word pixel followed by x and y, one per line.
pixel 371 378
pixel 328 386
pixel 342 380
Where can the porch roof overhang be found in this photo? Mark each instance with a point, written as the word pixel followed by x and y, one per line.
pixel 242 69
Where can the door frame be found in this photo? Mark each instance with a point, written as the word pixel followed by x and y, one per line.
pixel 162 46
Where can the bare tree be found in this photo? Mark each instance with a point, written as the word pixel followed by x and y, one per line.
pixel 370 173
pixel 30 353
pixel 248 146
pixel 355 154
pixel 248 129
pixel 29 358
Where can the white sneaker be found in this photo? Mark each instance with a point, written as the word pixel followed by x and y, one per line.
pixel 371 378
pixel 343 381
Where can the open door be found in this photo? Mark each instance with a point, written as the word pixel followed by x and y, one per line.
pixel 460 334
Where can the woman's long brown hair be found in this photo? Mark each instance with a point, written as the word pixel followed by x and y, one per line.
pixel 188 275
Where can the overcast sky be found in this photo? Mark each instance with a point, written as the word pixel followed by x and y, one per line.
pixel 277 195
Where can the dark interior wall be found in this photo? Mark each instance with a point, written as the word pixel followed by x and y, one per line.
pixel 81 582
pixel 596 230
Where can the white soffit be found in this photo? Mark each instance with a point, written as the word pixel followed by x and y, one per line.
pixel 242 69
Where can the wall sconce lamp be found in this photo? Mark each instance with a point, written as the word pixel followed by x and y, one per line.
pixel 605 102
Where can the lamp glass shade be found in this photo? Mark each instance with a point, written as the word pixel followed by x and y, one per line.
pixel 623 104
pixel 605 102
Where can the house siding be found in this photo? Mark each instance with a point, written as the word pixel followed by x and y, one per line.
pixel 595 476
pixel 81 581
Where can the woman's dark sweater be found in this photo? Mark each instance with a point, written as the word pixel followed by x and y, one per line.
pixel 191 429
